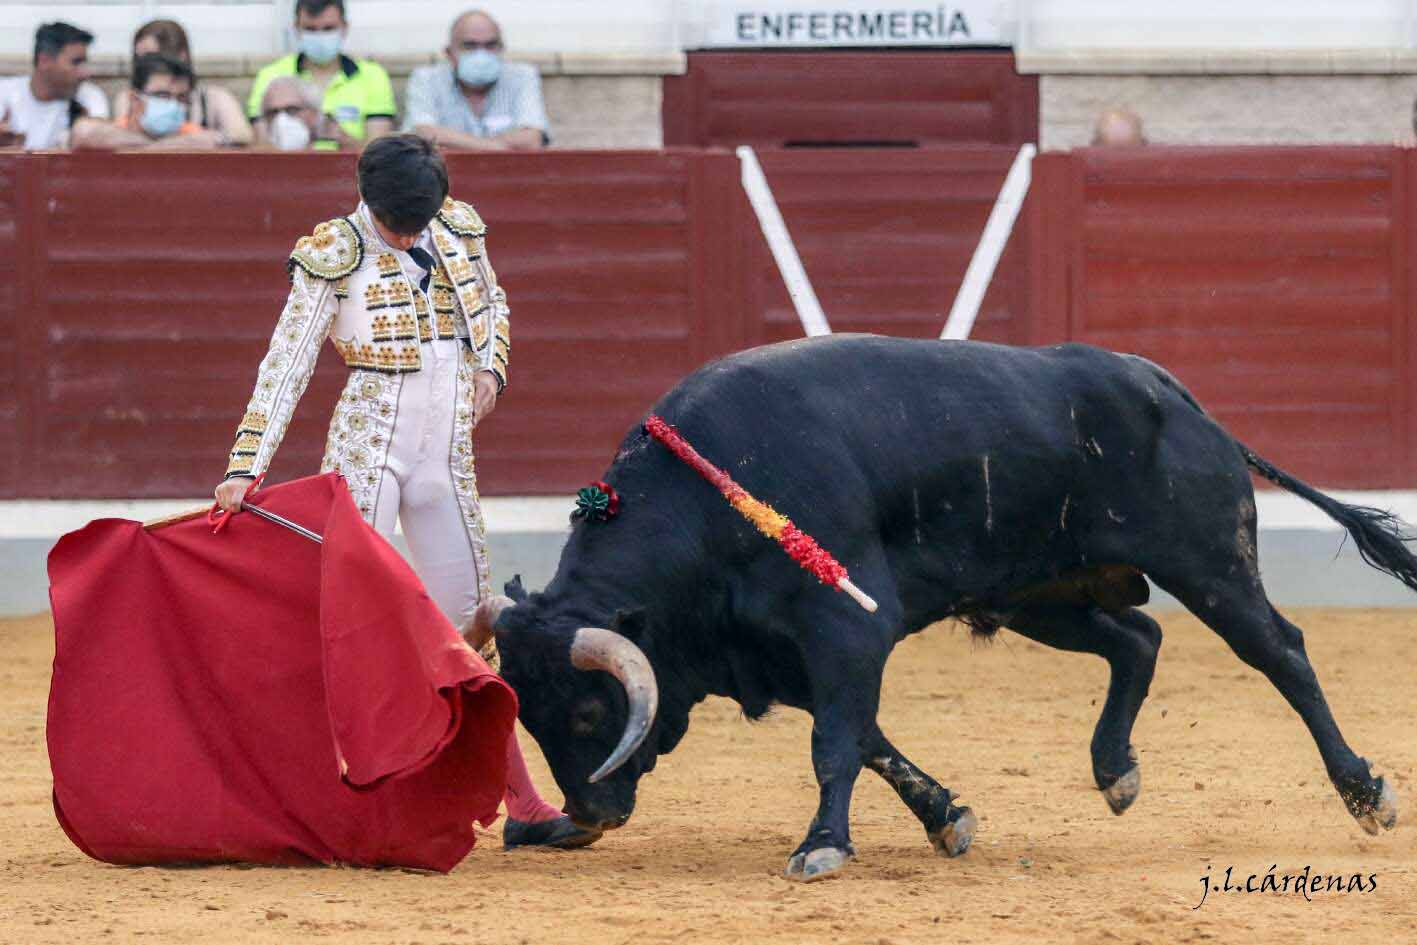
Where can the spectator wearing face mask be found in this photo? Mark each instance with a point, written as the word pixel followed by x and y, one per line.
pixel 157 116
pixel 356 94
pixel 290 110
pixel 476 100
pixel 37 110
pixel 212 106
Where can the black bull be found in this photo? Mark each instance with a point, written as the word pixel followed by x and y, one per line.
pixel 1021 488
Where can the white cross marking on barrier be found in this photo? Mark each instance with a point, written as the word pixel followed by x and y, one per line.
pixel 799 287
pixel 991 247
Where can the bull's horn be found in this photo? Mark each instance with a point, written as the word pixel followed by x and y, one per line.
pixel 598 648
pixel 478 630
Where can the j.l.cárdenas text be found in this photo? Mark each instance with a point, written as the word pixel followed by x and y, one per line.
pixel 1304 883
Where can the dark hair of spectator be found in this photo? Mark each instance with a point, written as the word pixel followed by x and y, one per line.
pixel 171 38
pixel 403 180
pixel 145 67
pixel 51 38
pixel 316 7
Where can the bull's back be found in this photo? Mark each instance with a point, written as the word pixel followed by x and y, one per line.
pixel 936 449
pixel 890 405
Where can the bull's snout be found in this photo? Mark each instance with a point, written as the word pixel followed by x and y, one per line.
pixel 595 816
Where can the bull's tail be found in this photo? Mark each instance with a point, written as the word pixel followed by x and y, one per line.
pixel 1381 536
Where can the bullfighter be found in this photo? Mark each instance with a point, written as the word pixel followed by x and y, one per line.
pixel 404 288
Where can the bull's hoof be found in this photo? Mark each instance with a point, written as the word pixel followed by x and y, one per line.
pixel 1122 793
pixel 1383 816
pixel 821 863
pixel 957 835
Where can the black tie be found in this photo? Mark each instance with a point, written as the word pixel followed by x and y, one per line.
pixel 425 262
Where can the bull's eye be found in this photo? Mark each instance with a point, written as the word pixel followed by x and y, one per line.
pixel 586 716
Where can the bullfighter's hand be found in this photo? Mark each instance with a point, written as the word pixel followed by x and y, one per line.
pixel 484 395
pixel 230 493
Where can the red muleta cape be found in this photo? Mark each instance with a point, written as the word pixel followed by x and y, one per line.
pixel 254 696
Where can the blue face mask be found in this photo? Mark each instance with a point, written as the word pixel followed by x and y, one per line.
pixel 321 47
pixel 479 68
pixel 162 116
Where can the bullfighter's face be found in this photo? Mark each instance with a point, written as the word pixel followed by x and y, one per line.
pixel 577 717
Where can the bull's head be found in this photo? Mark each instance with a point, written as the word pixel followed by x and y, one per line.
pixel 589 698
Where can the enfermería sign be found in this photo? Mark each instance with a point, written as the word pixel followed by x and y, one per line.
pixel 795 23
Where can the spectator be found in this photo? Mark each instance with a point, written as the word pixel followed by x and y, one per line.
pixel 1118 127
pixel 358 94
pixel 475 100
pixel 157 115
pixel 37 111
pixel 213 106
pixel 290 110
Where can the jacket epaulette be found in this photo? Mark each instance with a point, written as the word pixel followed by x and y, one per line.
pixel 461 218
pixel 332 252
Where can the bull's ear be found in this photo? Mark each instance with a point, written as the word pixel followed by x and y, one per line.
pixel 514 589
pixel 633 625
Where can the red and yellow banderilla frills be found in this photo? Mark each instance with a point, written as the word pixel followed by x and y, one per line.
pixel 800 546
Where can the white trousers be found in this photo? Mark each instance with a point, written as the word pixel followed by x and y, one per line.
pixel 406 453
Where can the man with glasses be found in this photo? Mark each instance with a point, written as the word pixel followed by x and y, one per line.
pixel 290 110
pixel 157 118
pixel 476 100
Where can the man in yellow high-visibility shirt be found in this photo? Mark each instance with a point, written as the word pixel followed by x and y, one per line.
pixel 357 95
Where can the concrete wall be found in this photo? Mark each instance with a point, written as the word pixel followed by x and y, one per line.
pixel 1233 109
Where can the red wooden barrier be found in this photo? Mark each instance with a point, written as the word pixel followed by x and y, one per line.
pixel 915 98
pixel 137 292
pixel 885 237
pixel 1272 281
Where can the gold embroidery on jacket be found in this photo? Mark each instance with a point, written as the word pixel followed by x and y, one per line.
pixel 333 251
pixel 375 297
pixel 461 218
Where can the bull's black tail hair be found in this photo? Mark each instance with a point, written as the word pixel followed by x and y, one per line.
pixel 1380 536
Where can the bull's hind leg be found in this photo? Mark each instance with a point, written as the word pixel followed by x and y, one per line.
pixel 950 828
pixel 1238 610
pixel 1128 639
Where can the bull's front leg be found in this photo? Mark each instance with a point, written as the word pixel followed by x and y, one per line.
pixel 836 760
pixel 846 691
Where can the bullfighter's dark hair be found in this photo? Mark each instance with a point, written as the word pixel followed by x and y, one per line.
pixel 51 38
pixel 316 7
pixel 151 64
pixel 403 180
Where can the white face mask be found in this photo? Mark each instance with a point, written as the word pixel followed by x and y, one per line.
pixel 320 46
pixel 289 133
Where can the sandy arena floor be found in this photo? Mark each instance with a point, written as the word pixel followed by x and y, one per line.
pixel 1230 779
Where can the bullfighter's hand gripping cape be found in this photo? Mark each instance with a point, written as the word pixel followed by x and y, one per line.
pixel 256 696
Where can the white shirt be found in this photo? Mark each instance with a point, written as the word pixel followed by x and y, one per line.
pixel 45 124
